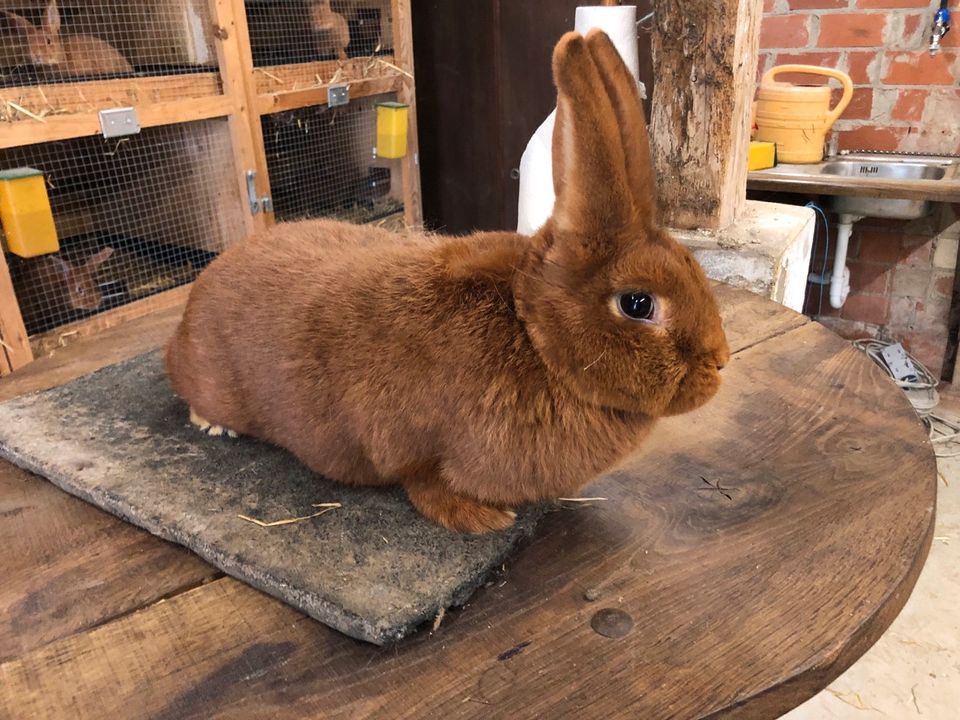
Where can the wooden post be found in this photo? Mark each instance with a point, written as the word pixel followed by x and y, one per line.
pixel 705 62
pixel 239 85
pixel 14 346
pixel 403 56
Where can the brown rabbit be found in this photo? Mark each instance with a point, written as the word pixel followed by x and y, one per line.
pixel 480 372
pixel 73 55
pixel 332 29
pixel 50 288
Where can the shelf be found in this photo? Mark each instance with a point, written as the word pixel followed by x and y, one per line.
pixel 288 87
pixel 44 113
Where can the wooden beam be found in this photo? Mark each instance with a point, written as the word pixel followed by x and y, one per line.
pixel 705 59
pixel 65 127
pixel 14 346
pixel 294 99
pixel 410 164
pixel 236 69
pixel 59 337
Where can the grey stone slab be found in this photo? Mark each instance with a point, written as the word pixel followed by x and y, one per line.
pixel 373 569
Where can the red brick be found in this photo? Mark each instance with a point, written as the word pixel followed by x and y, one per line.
pixel 909 105
pixel 816 4
pixel 866 308
pixel 784 31
pixel 893 4
pixel 829 59
pixel 919 68
pixel 944 285
pixel 767 6
pixel 916 254
pixel 858 66
pixel 852 30
pixel 878 246
pixel 872 138
pixel 861 104
pixel 911 282
pixel 869 277
pixel 928 348
pixel 903 311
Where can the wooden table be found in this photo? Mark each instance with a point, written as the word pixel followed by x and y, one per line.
pixel 748 555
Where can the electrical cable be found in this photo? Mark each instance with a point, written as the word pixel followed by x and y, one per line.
pixel 826 251
pixel 921 391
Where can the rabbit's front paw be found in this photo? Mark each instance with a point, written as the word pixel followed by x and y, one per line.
pixel 210 428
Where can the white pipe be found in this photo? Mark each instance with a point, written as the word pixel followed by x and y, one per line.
pixel 536 165
pixel 840 279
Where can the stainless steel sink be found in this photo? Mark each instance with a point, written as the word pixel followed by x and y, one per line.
pixel 901 168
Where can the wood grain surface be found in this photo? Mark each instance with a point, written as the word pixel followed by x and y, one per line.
pixel 742 559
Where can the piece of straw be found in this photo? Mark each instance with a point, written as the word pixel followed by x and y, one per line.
pixel 327 507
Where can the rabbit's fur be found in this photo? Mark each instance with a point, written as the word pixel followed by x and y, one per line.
pixel 75 55
pixel 52 287
pixel 480 372
pixel 332 29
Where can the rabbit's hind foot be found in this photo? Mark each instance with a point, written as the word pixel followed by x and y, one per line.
pixel 210 428
pixel 456 512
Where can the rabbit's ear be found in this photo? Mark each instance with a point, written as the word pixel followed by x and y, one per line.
pixel 51 18
pixel 20 24
pixel 621 87
pixel 97 260
pixel 589 175
pixel 61 265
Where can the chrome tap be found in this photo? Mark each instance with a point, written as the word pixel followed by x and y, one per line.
pixel 941 26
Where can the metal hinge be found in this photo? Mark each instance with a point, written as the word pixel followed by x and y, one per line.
pixel 257 204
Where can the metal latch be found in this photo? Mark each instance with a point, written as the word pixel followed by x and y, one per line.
pixel 257 203
pixel 119 122
pixel 338 95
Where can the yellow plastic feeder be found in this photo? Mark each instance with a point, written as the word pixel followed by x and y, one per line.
pixel 392 129
pixel 25 213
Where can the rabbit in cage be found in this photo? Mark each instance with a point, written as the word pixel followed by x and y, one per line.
pixel 52 290
pixel 478 372
pixel 74 55
pixel 333 32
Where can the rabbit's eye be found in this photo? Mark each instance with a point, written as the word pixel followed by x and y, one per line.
pixel 636 305
pixel 49 41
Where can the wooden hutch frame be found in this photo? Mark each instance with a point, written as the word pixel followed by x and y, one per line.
pixel 237 91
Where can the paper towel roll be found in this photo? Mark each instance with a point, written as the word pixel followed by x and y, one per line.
pixel 536 165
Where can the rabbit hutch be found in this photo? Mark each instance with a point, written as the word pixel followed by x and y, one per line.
pixel 140 138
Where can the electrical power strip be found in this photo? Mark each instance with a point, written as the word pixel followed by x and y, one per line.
pixel 900 364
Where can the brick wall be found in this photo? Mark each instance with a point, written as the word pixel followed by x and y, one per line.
pixel 903 98
pixel 902 273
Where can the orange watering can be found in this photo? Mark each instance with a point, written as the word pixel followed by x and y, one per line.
pixel 798 117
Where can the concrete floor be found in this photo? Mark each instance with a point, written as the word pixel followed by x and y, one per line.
pixel 914 669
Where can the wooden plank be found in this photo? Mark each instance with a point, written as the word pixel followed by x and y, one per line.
pixel 68 566
pixel 71 110
pixel 14 347
pixel 236 67
pixel 748 322
pixel 59 337
pixel 705 59
pixel 410 164
pixel 294 99
pixel 738 604
pixel 64 127
pixel 300 76
pixel 946 190
pixel 88 354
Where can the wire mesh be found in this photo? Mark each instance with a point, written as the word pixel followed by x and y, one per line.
pixel 322 163
pixel 165 202
pixel 50 41
pixel 300 31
